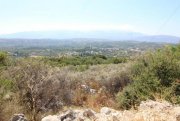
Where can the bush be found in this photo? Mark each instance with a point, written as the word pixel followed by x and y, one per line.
pixel 119 60
pixel 6 85
pixel 3 58
pixel 117 82
pixel 96 100
pixel 142 88
pixel 40 88
pixel 83 60
pixel 154 76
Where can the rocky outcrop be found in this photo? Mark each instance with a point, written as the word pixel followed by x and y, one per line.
pixel 67 116
pixel 51 118
pixel 18 117
pixel 158 111
pixel 147 111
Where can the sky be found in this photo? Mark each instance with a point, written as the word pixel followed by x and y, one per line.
pixel 145 16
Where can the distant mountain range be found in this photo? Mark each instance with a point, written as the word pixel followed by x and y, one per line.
pixel 98 35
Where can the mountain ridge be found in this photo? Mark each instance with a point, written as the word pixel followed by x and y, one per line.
pixel 101 35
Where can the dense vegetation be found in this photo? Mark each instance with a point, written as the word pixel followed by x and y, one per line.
pixel 84 60
pixel 156 75
pixel 36 86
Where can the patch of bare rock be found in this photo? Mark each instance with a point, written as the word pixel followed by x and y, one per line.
pixel 147 111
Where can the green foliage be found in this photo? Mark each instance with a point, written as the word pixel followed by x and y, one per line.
pixel 3 57
pixel 83 60
pixel 155 75
pixel 5 60
pixel 119 60
pixel 6 84
pixel 5 87
pixel 82 68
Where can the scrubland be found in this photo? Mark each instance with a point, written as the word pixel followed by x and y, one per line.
pixel 40 86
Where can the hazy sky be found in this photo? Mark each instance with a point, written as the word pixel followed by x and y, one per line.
pixel 146 16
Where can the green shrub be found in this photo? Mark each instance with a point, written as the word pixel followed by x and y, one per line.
pixel 82 68
pixel 83 60
pixel 6 84
pixel 3 57
pixel 154 75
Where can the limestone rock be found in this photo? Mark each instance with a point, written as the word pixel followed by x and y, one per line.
pixel 18 117
pixel 158 106
pixel 51 118
pixel 178 118
pixel 89 113
pixel 127 116
pixel 147 111
pixel 105 110
pixel 68 116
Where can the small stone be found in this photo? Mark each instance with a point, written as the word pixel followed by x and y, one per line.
pixel 18 117
pixel 105 110
pixel 80 119
pixel 69 115
pixel 178 118
pixel 89 113
pixel 115 118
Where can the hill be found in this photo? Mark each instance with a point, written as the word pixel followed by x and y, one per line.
pixel 98 35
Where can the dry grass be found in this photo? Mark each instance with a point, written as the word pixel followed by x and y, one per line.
pixel 66 84
pixel 11 107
